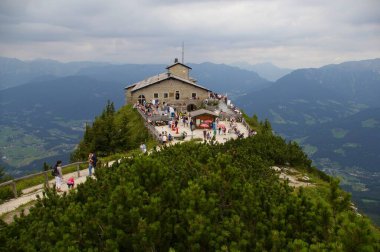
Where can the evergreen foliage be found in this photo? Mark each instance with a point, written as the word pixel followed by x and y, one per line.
pixel 5 192
pixel 112 132
pixel 195 197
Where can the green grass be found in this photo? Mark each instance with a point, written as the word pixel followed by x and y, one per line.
pixel 351 145
pixel 340 151
pixel 40 179
pixel 277 118
pixel 369 201
pixel 309 120
pixel 309 149
pixel 20 148
pixel 370 123
pixel 339 133
pixel 301 139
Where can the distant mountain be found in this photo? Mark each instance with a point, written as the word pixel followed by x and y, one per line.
pixel 265 70
pixel 222 78
pixel 334 113
pixel 14 72
pixel 217 77
pixel 310 96
pixel 44 118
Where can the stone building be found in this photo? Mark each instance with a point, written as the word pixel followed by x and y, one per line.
pixel 175 88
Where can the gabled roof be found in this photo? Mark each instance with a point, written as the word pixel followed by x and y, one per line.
pixel 202 112
pixel 176 63
pixel 158 78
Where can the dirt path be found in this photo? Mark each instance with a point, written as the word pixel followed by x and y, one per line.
pixel 15 206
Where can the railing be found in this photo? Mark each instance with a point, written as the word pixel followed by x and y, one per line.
pixel 152 130
pixel 13 182
pixel 153 118
pixel 245 124
pixel 150 127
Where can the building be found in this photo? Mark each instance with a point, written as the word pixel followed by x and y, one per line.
pixel 202 116
pixel 175 88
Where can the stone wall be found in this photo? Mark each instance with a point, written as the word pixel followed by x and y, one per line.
pixel 180 71
pixel 169 87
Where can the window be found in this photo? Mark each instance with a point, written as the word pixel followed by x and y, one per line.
pixel 155 95
pixel 141 99
pixel 177 95
pixel 166 95
pixel 194 95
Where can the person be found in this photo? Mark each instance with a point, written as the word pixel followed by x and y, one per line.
pixel 58 175
pixel 143 148
pixel 160 138
pixel 70 183
pixel 204 134
pixel 208 136
pixel 92 160
pixel 164 139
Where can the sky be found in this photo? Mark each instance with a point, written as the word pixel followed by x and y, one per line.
pixel 287 33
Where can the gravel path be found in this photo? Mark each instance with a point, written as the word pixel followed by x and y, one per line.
pixel 30 194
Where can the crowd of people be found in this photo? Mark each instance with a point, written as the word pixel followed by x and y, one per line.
pixel 154 108
pixel 182 119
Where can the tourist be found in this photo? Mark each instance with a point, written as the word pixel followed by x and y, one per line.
pixel 164 139
pixel 208 135
pixel 58 175
pixel 92 160
pixel 160 138
pixel 70 183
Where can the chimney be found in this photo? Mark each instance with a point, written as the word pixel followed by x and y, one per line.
pixel 176 60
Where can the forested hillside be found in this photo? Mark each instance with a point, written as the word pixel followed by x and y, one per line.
pixel 44 104
pixel 333 113
pixel 198 197
pixel 112 133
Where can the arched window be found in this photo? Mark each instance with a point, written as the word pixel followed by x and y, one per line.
pixel 177 95
pixel 141 99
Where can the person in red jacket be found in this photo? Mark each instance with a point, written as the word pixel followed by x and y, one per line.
pixel 70 183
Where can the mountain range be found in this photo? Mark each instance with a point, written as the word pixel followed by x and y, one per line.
pixel 332 111
pixel 266 70
pixel 47 103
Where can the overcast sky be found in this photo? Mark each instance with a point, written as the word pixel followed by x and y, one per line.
pixel 288 33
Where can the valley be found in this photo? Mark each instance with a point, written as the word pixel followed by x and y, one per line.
pixel 332 112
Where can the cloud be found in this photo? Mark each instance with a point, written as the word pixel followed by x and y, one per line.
pixel 290 33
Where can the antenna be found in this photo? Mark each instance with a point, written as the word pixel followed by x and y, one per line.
pixel 183 52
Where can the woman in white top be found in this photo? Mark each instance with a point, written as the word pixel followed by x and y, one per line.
pixel 58 175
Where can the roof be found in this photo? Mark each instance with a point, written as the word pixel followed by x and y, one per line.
pixel 158 78
pixel 202 112
pixel 176 63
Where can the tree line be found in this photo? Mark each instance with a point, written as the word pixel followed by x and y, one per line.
pixel 112 132
pixel 197 197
